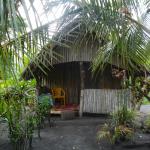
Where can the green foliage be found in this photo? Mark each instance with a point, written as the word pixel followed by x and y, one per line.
pixel 147 125
pixel 122 133
pixel 104 133
pixel 16 42
pixel 43 107
pixel 140 87
pixel 145 102
pixel 6 83
pixel 124 116
pixel 22 110
pixel 121 128
pixel 45 103
pixel 123 43
pixel 14 106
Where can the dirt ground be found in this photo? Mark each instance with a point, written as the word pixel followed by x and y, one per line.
pixel 77 134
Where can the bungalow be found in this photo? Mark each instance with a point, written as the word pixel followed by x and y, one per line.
pixel 72 72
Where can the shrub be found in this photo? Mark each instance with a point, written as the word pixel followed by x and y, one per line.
pixel 147 125
pixel 14 106
pixel 121 127
pixel 124 117
pixel 43 109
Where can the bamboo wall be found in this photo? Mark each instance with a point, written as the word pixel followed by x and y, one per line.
pixel 83 53
pixel 104 101
pixel 67 76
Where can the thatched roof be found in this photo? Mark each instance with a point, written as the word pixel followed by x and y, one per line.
pixel 66 46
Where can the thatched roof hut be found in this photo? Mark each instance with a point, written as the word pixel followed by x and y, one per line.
pixel 70 66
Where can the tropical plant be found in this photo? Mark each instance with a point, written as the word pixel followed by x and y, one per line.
pixel 116 25
pixel 21 118
pixel 121 128
pixel 124 116
pixel 147 125
pixel 18 39
pixel 43 110
pixel 140 87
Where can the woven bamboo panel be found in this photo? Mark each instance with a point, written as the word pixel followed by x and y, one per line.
pixel 104 101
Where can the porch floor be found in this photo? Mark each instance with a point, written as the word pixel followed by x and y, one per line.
pixel 59 108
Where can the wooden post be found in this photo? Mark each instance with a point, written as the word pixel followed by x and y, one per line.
pixel 81 104
pixel 82 76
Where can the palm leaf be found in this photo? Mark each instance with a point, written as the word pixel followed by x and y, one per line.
pixel 112 21
pixel 15 40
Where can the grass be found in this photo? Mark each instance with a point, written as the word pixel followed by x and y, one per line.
pixel 146 102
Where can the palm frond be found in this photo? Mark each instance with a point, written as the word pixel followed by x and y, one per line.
pixel 16 41
pixel 117 23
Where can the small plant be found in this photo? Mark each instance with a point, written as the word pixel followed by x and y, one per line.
pixel 43 108
pixel 147 125
pixel 122 133
pixel 45 103
pixel 105 133
pixel 124 116
pixel 140 87
pixel 121 127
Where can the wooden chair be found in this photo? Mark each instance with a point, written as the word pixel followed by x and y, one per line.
pixel 59 94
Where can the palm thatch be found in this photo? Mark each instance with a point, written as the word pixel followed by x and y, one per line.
pixel 73 42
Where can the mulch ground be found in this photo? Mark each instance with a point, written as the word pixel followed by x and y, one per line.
pixel 77 134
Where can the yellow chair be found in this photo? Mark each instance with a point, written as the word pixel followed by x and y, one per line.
pixel 59 94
